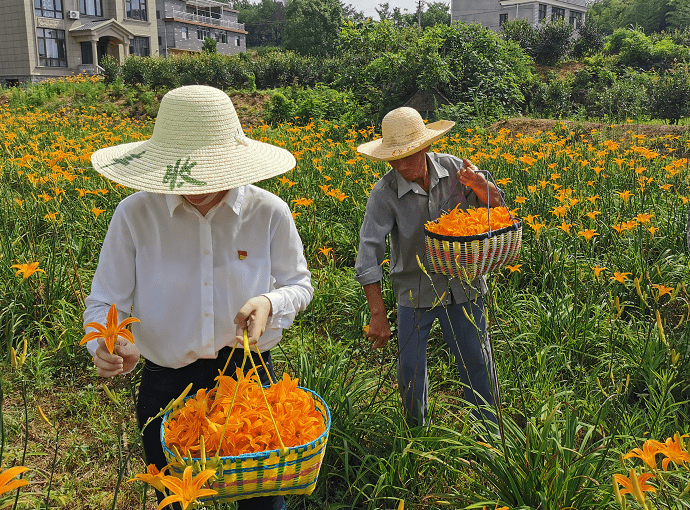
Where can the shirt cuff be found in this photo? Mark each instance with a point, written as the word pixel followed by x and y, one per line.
pixel 276 299
pixel 371 275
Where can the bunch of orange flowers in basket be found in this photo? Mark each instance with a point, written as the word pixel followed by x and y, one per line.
pixel 474 221
pixel 234 416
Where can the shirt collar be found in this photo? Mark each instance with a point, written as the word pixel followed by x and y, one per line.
pixel 436 172
pixel 232 199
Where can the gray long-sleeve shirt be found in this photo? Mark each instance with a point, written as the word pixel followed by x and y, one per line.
pixel 401 209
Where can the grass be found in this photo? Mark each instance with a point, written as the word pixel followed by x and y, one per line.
pixel 591 364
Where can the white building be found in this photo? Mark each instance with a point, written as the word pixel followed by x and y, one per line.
pixel 493 13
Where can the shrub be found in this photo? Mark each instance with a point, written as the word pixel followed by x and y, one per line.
pixel 546 44
pixel 137 70
pixel 626 98
pixel 590 39
pixel 111 69
pixel 319 103
pixel 552 97
pixel 553 42
pixel 670 95
pixel 522 33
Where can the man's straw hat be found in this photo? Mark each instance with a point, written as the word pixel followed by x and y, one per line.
pixel 198 146
pixel 403 133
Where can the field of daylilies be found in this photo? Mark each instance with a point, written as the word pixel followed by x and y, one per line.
pixel 588 326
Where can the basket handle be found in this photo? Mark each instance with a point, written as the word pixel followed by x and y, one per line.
pixel 247 354
pixel 501 194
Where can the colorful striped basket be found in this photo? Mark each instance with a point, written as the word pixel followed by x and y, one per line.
pixel 265 473
pixel 467 257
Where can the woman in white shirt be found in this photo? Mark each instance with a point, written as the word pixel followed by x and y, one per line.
pixel 198 255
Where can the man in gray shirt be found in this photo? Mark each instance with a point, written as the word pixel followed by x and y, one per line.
pixel 420 184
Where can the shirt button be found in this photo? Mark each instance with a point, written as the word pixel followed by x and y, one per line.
pixel 207 314
pixel 206 284
pixel 206 252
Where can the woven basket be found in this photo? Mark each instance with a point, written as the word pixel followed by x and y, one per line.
pixel 265 473
pixel 467 257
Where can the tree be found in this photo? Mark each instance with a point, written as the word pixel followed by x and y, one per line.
pixel 264 22
pixel 678 16
pixel 437 13
pixel 209 45
pixel 312 26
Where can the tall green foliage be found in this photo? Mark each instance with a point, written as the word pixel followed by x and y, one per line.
pixel 312 26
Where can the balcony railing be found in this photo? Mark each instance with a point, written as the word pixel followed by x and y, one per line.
pixel 187 16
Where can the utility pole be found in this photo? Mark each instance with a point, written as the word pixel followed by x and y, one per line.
pixel 419 15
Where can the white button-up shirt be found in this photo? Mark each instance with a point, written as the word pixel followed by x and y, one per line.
pixel 185 276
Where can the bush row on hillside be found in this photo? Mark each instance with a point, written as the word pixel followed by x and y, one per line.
pixel 468 64
pixel 601 94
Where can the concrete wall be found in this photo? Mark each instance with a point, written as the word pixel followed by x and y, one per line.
pixel 488 12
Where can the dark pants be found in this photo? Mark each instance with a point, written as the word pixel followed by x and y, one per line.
pixel 159 385
pixel 467 341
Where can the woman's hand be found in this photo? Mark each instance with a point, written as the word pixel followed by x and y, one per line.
pixel 253 317
pixel 124 358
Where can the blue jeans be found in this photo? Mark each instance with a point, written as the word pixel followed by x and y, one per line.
pixel 468 343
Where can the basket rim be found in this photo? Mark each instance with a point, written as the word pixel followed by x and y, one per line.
pixel 478 237
pixel 263 454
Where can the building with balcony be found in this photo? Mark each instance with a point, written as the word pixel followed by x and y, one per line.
pixel 183 25
pixel 492 14
pixel 42 39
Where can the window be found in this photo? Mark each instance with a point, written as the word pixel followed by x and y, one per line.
pixel 542 12
pixel 202 33
pixel 48 9
pixel 502 18
pixel 237 41
pixel 557 13
pixel 52 51
pixel 139 46
pixel 158 14
pixel 136 9
pixel 220 36
pixel 576 19
pixel 160 40
pixel 184 33
pixel 91 7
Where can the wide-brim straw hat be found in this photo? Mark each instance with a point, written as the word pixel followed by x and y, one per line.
pixel 403 133
pixel 198 146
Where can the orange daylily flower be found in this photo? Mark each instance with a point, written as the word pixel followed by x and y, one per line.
pixel 620 277
pixel 647 453
pixel 635 485
pixel 514 268
pixel 153 477
pixel 474 221
pixel 6 482
pixel 233 417
pixel 188 490
pixel 27 270
pixel 588 234
pixel 673 450
pixel 597 270
pixel 663 289
pixel 112 331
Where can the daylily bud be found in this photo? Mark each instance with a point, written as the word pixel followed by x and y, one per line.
pixel 617 493
pixel 110 394
pixel 13 354
pixel 44 417
pixel 675 356
pixel 660 326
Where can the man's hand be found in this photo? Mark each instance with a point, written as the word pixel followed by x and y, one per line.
pixel 253 317
pixel 124 358
pixel 470 177
pixel 379 331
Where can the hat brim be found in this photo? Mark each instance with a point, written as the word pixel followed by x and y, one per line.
pixel 232 163
pixel 377 151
